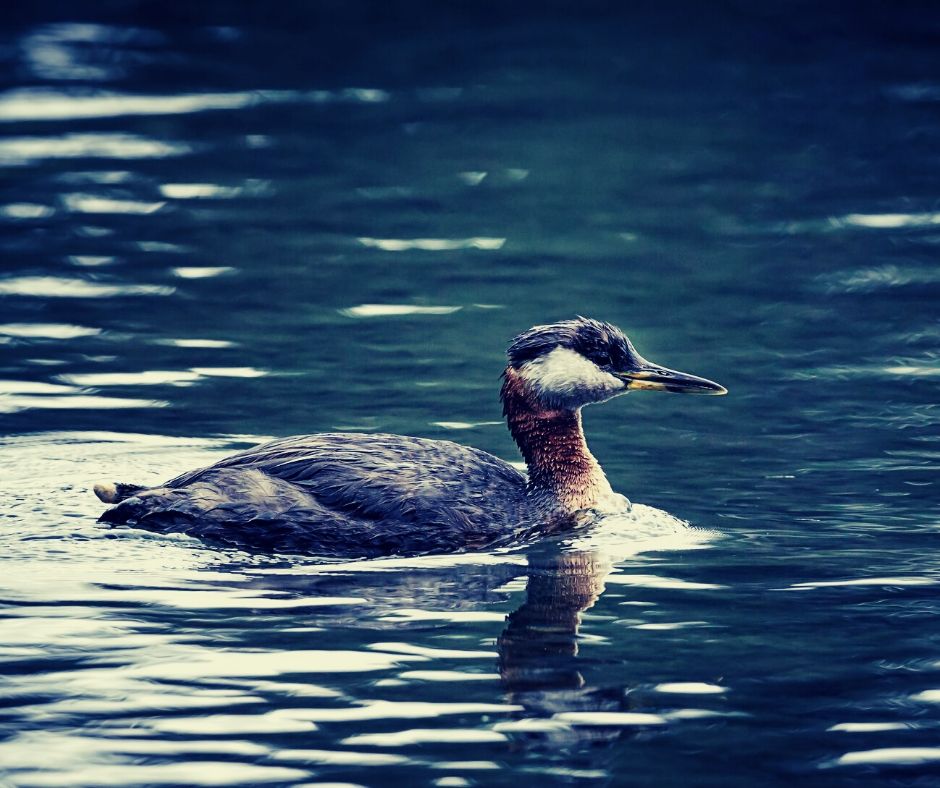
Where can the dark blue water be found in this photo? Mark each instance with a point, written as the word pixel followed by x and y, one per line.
pixel 222 222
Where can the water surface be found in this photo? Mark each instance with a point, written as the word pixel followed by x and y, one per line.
pixel 221 223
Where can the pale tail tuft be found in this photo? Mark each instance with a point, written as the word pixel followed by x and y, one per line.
pixel 106 492
pixel 115 492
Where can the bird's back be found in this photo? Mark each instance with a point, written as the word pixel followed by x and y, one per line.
pixel 342 493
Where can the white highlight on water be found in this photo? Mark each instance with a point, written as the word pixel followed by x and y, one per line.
pixel 433 244
pixel 28 150
pixel 204 272
pixel 901 756
pixel 690 688
pixel 396 310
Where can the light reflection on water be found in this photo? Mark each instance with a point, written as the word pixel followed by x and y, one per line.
pixel 245 228
pixel 23 151
pixel 33 105
pixel 68 287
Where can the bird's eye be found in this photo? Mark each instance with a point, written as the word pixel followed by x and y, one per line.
pixel 602 359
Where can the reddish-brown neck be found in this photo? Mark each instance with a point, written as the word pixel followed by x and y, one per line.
pixel 552 443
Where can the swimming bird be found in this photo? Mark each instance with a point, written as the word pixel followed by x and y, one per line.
pixel 355 494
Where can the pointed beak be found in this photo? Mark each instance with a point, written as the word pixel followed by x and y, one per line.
pixel 650 377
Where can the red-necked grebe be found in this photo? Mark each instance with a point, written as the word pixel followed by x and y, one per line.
pixel 356 494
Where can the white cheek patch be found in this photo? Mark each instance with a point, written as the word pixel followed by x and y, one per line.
pixel 566 379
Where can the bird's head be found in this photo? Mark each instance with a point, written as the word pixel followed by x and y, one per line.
pixel 573 363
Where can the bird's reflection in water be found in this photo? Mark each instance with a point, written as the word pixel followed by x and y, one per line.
pixel 538 649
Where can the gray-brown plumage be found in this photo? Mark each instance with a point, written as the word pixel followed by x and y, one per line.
pixel 355 494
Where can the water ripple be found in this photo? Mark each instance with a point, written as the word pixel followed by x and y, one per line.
pixel 148 378
pixel 47 330
pixel 927 696
pixel 204 272
pixel 90 261
pixel 84 51
pixel 447 675
pixel 36 104
pixel 230 372
pixel 690 688
pixel 433 244
pixel 868 727
pixel 16 151
pixel 415 736
pixel 13 404
pixel 92 203
pixel 883 277
pixel 898 581
pixel 340 757
pixel 890 221
pixel 194 772
pixel 65 287
pixel 207 663
pixel 198 191
pixel 617 719
pixel 211 344
pixel 390 710
pixel 396 310
pixel 892 756
pixel 653 581
pixel 223 724
pixel 26 210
